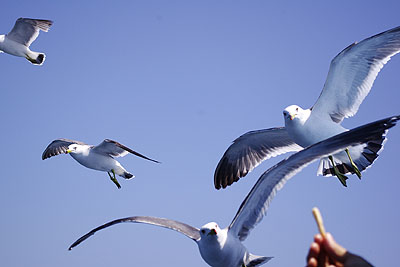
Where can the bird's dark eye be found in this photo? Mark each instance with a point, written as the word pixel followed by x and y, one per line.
pixel 297 109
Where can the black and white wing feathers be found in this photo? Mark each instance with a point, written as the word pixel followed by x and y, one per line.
pixel 58 146
pixel 115 149
pixel 248 151
pixel 189 231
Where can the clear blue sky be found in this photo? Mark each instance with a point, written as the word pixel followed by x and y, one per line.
pixel 178 81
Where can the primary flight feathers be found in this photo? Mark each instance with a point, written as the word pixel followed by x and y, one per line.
pixel 223 247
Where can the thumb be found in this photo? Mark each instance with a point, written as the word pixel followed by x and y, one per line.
pixel 333 249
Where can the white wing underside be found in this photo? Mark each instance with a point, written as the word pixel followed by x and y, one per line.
pixel 352 73
pixel 256 203
pixel 25 31
pixel 187 230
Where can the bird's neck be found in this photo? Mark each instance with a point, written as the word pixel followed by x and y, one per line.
pixel 83 151
pixel 296 128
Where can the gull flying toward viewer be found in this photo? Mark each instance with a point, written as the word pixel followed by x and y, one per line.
pixel 100 157
pixel 223 247
pixel 24 33
pixel 351 75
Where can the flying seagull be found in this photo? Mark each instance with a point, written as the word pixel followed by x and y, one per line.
pixel 100 157
pixel 351 75
pixel 24 33
pixel 223 247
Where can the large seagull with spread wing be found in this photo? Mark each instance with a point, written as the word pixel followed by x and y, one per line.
pixel 223 247
pixel 351 75
pixel 100 157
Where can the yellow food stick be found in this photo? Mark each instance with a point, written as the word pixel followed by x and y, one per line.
pixel 318 219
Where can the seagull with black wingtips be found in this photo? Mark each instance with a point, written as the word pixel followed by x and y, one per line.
pixel 100 157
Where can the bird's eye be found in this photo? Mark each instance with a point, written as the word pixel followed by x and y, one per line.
pixel 297 109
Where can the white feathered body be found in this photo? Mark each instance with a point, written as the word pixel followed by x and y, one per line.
pixel 17 49
pixel 307 130
pixel 224 250
pixel 101 162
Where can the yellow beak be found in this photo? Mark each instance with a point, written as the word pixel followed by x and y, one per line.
pixel 292 116
pixel 68 151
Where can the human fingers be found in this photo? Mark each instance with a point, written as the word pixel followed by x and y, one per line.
pixel 318 239
pixel 313 254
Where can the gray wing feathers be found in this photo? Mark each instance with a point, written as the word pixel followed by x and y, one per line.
pixel 248 151
pixel 115 149
pixel 256 203
pixel 25 30
pixel 183 228
pixel 352 73
pixel 58 146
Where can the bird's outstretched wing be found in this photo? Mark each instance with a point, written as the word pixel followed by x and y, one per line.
pixel 183 228
pixel 25 30
pixel 248 151
pixel 115 149
pixel 58 146
pixel 352 73
pixel 256 203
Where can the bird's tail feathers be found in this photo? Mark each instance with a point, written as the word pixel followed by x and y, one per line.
pixel 128 175
pixel 36 58
pixel 254 260
pixel 368 153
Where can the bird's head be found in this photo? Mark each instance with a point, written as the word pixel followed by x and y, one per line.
pixel 295 113
pixel 291 112
pixel 75 148
pixel 210 230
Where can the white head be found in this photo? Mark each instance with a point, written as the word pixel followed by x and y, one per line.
pixel 77 149
pixel 294 113
pixel 212 245
pixel 210 231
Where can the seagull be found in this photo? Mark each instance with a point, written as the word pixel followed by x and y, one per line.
pixel 100 157
pixel 350 78
pixel 24 33
pixel 223 247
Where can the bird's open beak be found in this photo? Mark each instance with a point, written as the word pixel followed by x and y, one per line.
pixel 68 151
pixel 212 232
pixel 292 116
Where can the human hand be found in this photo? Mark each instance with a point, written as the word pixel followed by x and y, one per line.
pixel 325 252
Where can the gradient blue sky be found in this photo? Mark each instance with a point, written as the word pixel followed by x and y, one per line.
pixel 178 81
